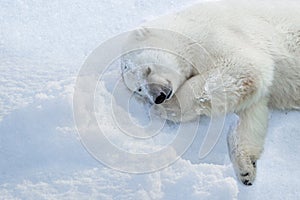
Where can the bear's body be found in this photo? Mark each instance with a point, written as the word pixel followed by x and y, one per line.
pixel 252 63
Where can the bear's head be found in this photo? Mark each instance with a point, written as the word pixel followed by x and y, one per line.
pixel 154 74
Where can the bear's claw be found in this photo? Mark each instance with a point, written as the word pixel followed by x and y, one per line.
pixel 246 182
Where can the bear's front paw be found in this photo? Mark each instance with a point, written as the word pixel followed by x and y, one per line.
pixel 243 159
pixel 247 176
pixel 245 169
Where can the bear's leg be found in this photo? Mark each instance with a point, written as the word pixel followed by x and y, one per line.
pixel 245 144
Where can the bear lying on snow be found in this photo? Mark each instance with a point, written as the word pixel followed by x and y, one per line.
pixel 252 62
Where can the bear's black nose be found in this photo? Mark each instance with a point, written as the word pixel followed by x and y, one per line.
pixel 161 98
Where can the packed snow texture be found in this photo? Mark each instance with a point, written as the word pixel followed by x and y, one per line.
pixel 42 47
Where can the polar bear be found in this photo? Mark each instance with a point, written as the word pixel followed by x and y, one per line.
pixel 251 63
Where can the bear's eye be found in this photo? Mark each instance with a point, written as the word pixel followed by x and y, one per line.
pixel 125 67
pixel 140 89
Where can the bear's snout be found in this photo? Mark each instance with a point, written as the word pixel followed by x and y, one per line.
pixel 158 93
pixel 161 98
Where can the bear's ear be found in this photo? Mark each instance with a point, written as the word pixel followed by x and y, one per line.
pixel 142 33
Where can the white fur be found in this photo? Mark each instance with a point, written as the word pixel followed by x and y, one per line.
pixel 253 62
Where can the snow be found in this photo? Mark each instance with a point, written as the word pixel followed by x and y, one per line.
pixel 42 47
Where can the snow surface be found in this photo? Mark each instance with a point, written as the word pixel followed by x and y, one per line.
pixel 42 47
